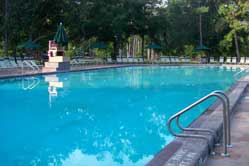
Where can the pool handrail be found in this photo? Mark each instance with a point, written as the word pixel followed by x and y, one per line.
pixel 211 131
pixel 229 144
pixel 30 65
pixel 226 122
pixel 243 70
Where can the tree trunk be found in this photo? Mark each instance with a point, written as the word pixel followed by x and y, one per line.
pixel 14 52
pixel 237 46
pixel 127 49
pixel 6 29
pixel 31 51
pixel 134 46
pixel 200 24
pixel 115 49
pixel 143 46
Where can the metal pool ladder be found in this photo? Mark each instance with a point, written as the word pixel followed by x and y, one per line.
pixel 226 121
pixel 244 70
pixel 30 65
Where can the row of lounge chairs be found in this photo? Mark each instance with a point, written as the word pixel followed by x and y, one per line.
pixel 230 60
pixel 6 64
pixel 126 60
pixel 163 59
pixel 81 61
pixel 27 62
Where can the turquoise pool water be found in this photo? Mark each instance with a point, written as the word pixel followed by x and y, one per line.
pixel 107 117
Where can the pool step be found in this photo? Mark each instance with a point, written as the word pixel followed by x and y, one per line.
pixel 56 66
pixel 59 59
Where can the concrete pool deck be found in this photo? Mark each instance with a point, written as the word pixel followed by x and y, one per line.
pixel 195 152
pixel 239 154
pixel 12 73
pixel 17 72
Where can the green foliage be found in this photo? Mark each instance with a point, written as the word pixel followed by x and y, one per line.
pixel 234 16
pixel 100 53
pixel 189 51
pixel 202 10
pixel 226 44
pixel 174 26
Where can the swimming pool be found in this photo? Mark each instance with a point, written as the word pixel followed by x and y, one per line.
pixel 99 118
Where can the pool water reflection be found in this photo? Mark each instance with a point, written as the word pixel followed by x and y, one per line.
pixel 100 118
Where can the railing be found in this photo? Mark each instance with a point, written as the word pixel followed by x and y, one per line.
pixel 30 65
pixel 244 70
pixel 226 121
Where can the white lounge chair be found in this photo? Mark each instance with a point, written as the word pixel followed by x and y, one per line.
pixel 186 60
pixel 130 60
pixel 228 60
pixel 19 62
pixel 81 61
pixel 211 60
pixel 109 60
pixel 124 60
pixel 119 60
pixel 162 59
pixel 173 59
pixel 242 60
pixel 13 64
pixel 3 65
pixel 140 60
pixel 221 60
pixel 7 64
pixel 177 60
pixel 180 59
pixel 183 60
pixel 167 59
pixel 247 60
pixel 26 58
pixel 74 62
pixel 234 60
pixel 136 60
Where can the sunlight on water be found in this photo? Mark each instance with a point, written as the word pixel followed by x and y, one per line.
pixel 76 158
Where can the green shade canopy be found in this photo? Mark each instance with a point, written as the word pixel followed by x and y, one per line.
pixel 154 46
pixel 29 45
pixel 99 45
pixel 60 36
pixel 202 48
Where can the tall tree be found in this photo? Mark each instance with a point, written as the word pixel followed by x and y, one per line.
pixel 200 11
pixel 6 27
pixel 234 13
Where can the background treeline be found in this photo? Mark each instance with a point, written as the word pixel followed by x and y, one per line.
pixel 177 25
